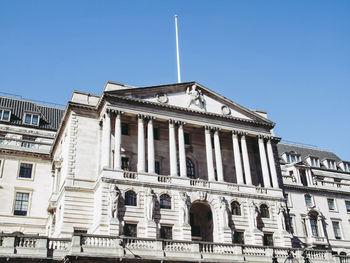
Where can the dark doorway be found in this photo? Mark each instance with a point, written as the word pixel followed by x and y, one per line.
pixel 201 220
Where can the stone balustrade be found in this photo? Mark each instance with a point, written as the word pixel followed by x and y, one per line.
pixel 141 178
pixel 13 246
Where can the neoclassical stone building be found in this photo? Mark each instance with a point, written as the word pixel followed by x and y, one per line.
pixel 317 187
pixel 174 173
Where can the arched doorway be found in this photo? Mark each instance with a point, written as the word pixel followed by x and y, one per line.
pixel 201 220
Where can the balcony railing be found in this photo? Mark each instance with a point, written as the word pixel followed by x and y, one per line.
pixel 141 177
pixel 25 145
pixel 140 248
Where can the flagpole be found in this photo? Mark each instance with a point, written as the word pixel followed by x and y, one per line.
pixel 177 52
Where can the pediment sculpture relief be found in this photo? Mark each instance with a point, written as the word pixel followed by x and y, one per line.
pixel 195 97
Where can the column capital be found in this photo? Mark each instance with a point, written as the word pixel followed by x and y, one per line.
pixel 180 123
pixel 115 111
pixel 141 116
pixel 212 128
pixel 236 132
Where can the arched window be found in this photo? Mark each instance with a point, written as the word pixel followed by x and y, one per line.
pixel 130 198
pixel 313 223
pixel 308 200
pixel 264 211
pixel 165 201
pixel 190 169
pixel 236 208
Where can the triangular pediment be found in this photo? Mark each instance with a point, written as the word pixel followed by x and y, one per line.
pixel 189 96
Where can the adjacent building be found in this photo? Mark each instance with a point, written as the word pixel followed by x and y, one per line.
pixel 317 190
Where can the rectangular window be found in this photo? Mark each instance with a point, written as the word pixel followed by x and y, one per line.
pixel 303 177
pixel 187 138
pixel 336 229
pixel 156 133
pixel 2 136
pixel 125 163
pixel 331 164
pixel 5 115
pixel 238 237
pixel 31 119
pixel 21 204
pixel 308 200
pixel 166 232
pixel 314 161
pixel 347 167
pixel 331 205
pixel 27 141
pixel 130 230
pixel 303 222
pixel 347 205
pixel 268 239
pixel 157 167
pixel 286 197
pixel 125 128
pixel 25 170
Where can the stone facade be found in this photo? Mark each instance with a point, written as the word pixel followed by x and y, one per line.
pixel 172 172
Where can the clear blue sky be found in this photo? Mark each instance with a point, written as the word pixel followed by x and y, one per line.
pixel 289 58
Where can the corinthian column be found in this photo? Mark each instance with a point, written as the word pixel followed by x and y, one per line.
pixel 172 149
pixel 218 157
pixel 150 146
pixel 140 144
pixel 272 164
pixel 248 176
pixel 209 152
pixel 117 141
pixel 182 153
pixel 237 157
pixel 263 161
pixel 106 140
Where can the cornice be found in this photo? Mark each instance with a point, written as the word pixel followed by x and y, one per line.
pixel 306 189
pixel 185 110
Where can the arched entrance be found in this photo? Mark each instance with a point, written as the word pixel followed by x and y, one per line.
pixel 201 220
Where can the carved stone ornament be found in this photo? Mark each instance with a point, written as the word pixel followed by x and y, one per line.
pixel 162 98
pixel 195 97
pixel 225 110
pixel 202 196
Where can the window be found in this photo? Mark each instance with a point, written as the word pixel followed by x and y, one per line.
pixel 268 239
pixel 190 169
pixel 308 200
pixel 125 163
pixel 125 128
pixel 314 162
pixel 347 205
pixel 27 141
pixel 336 229
pixel 130 230
pixel 166 232
pixel 21 204
pixel 165 201
pixel 187 138
pixel 5 115
pixel 313 223
pixel 2 136
pixel 286 197
pixel 157 167
pixel 130 198
pixel 238 237
pixel 264 211
pixel 303 177
pixel 236 208
pixel 156 133
pixel 25 170
pixel 331 204
pixel 331 164
pixel 31 119
pixel 293 158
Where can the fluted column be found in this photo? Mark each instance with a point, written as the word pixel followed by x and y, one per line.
pixel 218 157
pixel 272 164
pixel 106 140
pixel 263 161
pixel 117 141
pixel 209 152
pixel 237 158
pixel 140 144
pixel 246 164
pixel 182 152
pixel 172 148
pixel 150 146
